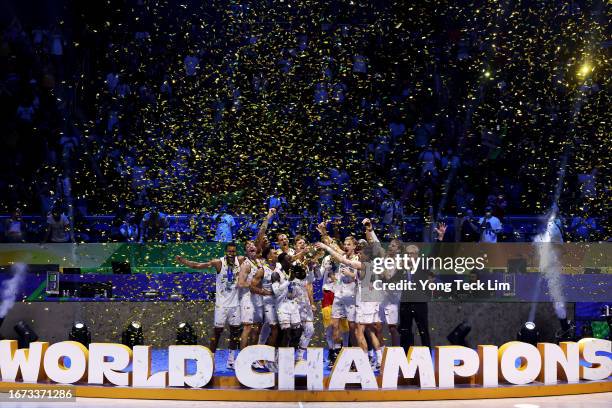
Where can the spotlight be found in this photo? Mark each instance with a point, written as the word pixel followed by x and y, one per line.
pixel 80 333
pixel 457 336
pixel 25 333
pixel 132 335
pixel 585 70
pixel 528 333
pixel 185 334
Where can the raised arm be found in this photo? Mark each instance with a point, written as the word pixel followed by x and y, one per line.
pixel 216 263
pixel 339 257
pixel 326 239
pixel 261 234
pixel 369 231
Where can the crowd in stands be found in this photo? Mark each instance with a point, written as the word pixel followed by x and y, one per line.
pixel 220 110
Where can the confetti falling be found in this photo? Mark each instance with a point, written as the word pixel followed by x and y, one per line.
pixel 187 106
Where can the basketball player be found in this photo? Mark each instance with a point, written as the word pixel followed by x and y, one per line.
pixel 261 284
pixel 365 309
pixel 251 304
pixel 389 307
pixel 227 305
pixel 285 290
pixel 343 306
pixel 305 300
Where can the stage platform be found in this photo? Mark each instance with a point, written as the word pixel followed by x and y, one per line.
pixel 225 387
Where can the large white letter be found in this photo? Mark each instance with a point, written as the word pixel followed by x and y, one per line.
pixel 395 361
pixel 341 373
pixel 100 368
pixel 177 366
pixel 566 356
pixel 487 373
pixel 54 362
pixel 601 366
pixel 312 368
pixel 244 371
pixel 530 362
pixel 28 362
pixel 142 370
pixel 446 368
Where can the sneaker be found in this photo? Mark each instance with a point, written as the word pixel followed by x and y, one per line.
pixel 257 365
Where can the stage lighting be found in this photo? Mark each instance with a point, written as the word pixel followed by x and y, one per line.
pixel 132 335
pixel 25 334
pixel 585 70
pixel 185 334
pixel 457 336
pixel 528 333
pixel 80 333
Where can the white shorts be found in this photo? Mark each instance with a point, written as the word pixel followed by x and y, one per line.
pixel 344 308
pixel 227 315
pixel 250 313
pixel 269 313
pixel 367 313
pixel 306 312
pixel 388 313
pixel 288 314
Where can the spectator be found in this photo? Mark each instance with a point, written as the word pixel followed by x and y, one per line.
pixel 192 63
pixel 58 227
pixel 489 226
pixel 153 226
pixel 225 225
pixel 14 229
pixel 392 217
pixel 129 230
pixel 582 227
pixel 466 230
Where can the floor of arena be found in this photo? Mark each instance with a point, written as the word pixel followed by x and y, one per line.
pixel 603 400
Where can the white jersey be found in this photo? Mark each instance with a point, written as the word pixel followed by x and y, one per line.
pixel 284 292
pixel 226 294
pixel 266 282
pixel 245 293
pixel 328 274
pixel 367 299
pixel 346 285
pixel 301 287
